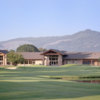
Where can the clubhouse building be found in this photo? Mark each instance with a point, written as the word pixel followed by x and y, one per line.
pixel 54 57
pixel 3 57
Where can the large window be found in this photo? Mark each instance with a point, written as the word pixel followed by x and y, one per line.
pixel 88 62
pixel 1 57
pixel 53 60
pixel 1 63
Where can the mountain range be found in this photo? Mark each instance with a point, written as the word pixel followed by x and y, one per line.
pixel 83 41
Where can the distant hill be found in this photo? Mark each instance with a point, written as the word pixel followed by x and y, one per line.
pixel 87 40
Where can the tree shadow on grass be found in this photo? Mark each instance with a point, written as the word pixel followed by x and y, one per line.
pixel 47 90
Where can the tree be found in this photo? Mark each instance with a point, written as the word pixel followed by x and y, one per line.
pixel 27 48
pixel 14 58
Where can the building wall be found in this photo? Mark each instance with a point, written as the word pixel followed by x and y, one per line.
pixel 94 62
pixel 4 61
pixel 38 62
pixel 68 61
pixel 72 61
pixel 46 60
pixel 57 62
pixel 29 62
pixel 60 60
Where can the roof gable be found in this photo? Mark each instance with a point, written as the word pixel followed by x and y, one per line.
pixel 53 51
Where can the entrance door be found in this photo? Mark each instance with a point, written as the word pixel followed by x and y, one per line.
pixel 53 60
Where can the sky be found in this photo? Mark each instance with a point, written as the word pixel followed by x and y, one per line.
pixel 39 18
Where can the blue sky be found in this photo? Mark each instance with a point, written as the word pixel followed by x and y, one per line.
pixel 35 18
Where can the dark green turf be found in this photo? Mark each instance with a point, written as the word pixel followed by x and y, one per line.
pixel 33 83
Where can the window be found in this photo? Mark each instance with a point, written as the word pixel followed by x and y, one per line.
pixel 1 63
pixel 26 62
pixel 53 60
pixel 86 62
pixel 33 62
pixel 1 57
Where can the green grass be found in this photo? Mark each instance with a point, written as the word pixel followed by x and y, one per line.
pixel 34 83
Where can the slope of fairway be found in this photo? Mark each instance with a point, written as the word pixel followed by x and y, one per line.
pixel 34 83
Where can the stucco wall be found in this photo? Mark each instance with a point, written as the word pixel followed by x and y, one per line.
pixel 38 62
pixel 4 61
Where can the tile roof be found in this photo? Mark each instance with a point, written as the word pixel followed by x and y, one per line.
pixel 32 55
pixel 66 55
pixel 82 55
pixel 4 51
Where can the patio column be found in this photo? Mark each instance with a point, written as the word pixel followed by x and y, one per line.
pixel 5 59
pixel 28 62
pixel 91 62
pixel 47 61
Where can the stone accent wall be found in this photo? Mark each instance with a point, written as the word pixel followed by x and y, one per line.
pixel 46 61
pixel 59 60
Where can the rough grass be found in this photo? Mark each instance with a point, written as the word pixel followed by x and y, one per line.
pixel 33 83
